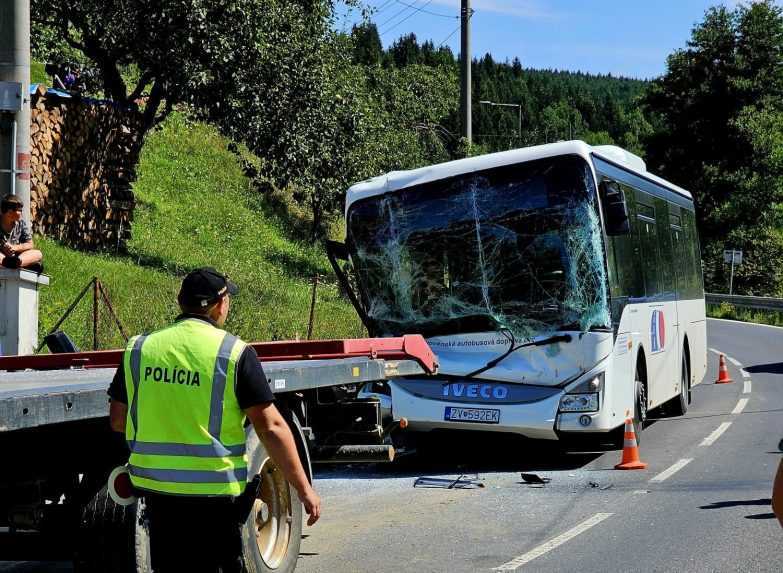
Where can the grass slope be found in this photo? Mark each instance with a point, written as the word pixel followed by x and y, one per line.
pixel 195 207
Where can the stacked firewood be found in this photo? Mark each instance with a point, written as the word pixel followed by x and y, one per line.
pixel 83 155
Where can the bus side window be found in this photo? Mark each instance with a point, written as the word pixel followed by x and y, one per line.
pixel 681 260
pixel 666 255
pixel 692 255
pixel 627 270
pixel 648 243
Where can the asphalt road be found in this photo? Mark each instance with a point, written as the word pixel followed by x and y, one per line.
pixel 711 514
pixel 702 504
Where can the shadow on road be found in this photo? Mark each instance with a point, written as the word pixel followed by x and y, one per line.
pixel 771 368
pixel 736 503
pixel 761 516
pixel 483 453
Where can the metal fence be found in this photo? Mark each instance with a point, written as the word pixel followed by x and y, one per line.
pixel 739 301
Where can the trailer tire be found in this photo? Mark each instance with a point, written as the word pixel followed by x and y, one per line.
pixel 112 538
pixel 272 534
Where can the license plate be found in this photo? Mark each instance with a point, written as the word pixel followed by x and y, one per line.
pixel 478 415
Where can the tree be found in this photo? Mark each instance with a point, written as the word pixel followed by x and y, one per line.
pixel 367 47
pixel 717 111
pixel 182 49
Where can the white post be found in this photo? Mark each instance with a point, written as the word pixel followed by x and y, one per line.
pixel 19 310
pixel 731 278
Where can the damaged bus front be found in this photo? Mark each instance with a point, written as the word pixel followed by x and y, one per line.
pixel 500 262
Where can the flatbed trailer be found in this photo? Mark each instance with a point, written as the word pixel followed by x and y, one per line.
pixel 58 450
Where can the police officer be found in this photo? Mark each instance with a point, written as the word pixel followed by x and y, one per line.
pixel 181 398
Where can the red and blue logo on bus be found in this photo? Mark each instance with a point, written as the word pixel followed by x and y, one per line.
pixel 657 331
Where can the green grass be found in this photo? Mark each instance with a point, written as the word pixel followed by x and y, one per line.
pixel 38 74
pixel 195 207
pixel 729 311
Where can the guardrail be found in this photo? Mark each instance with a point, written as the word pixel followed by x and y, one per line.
pixel 757 302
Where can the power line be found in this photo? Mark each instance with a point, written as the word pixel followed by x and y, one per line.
pixel 382 7
pixel 454 31
pixel 393 17
pixel 450 16
pixel 406 17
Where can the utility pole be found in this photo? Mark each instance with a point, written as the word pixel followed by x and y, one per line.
pixel 15 67
pixel 467 127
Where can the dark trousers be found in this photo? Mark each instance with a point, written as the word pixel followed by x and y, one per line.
pixel 193 534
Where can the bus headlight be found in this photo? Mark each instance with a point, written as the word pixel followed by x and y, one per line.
pixel 584 397
pixel 579 403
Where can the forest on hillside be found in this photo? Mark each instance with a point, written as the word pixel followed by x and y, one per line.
pixel 325 109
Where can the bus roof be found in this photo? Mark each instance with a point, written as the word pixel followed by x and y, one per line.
pixel 396 180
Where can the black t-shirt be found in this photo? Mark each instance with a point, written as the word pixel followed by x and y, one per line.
pixel 251 385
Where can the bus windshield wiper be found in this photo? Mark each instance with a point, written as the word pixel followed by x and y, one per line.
pixel 514 347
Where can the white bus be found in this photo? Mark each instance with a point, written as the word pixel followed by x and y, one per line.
pixel 559 285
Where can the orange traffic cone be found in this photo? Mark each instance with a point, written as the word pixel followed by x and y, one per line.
pixel 630 459
pixel 723 372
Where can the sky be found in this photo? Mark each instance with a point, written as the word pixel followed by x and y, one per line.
pixel 628 38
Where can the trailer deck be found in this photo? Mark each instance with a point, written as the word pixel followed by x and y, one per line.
pixel 36 398
pixel 57 392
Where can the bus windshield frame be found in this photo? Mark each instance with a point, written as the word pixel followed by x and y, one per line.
pixel 518 247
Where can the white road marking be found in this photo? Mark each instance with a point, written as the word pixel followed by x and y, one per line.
pixel 746 387
pixel 715 351
pixel 745 374
pixel 734 361
pixel 740 406
pixel 709 440
pixel 667 473
pixel 517 562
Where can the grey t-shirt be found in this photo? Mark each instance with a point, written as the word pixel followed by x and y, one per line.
pixel 20 234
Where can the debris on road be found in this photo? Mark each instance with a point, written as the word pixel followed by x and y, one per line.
pixel 461 482
pixel 534 479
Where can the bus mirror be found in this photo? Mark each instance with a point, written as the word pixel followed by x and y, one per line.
pixel 615 209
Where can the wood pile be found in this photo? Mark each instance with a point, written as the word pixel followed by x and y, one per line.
pixel 83 156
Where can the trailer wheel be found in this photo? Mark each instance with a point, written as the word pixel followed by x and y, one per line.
pixel 272 534
pixel 112 538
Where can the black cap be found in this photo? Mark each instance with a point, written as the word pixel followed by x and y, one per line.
pixel 204 286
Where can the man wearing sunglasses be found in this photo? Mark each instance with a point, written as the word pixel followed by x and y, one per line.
pixel 16 241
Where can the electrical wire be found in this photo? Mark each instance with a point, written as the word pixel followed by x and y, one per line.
pixel 454 31
pixel 450 16
pixel 382 7
pixel 405 9
pixel 416 10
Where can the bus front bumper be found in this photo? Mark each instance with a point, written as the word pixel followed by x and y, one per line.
pixel 535 420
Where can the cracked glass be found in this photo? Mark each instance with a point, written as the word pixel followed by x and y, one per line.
pixel 516 248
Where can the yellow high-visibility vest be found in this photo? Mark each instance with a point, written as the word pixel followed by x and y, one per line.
pixel 184 426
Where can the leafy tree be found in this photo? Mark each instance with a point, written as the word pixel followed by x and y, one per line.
pixel 184 50
pixel 367 47
pixel 718 111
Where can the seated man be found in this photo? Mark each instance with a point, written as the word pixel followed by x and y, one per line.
pixel 16 242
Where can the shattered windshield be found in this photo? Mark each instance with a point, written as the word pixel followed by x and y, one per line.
pixel 516 247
